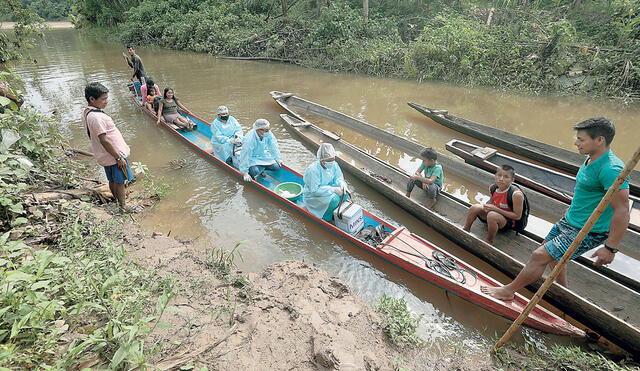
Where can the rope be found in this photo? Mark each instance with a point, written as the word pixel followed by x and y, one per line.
pixel 440 263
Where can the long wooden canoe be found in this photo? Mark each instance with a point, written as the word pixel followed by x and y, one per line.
pixel 547 154
pixel 590 298
pixel 541 204
pixel 550 182
pixel 399 247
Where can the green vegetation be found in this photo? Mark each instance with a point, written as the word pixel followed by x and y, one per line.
pixel 567 46
pixel 399 324
pixel 50 10
pixel 77 300
pixel 69 295
pixel 532 356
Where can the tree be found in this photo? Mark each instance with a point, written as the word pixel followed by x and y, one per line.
pixel 365 11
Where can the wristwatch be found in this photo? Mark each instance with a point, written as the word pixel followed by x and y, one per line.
pixel 610 248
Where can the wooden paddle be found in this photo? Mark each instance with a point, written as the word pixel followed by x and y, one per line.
pixel 565 258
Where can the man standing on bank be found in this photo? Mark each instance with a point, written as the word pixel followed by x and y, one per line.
pixel 107 143
pixel 598 172
pixel 135 62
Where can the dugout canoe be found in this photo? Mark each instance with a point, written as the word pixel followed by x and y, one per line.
pixel 541 205
pixel 550 182
pixel 547 154
pixel 399 247
pixel 589 300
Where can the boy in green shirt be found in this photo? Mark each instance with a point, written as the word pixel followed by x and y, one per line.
pixel 429 176
pixel 598 172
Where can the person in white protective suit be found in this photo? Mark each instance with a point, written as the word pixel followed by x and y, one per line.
pixel 324 184
pixel 259 151
pixel 226 134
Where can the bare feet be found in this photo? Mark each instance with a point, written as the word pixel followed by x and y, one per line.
pixel 500 293
pixel 466 229
pixel 487 240
pixel 408 194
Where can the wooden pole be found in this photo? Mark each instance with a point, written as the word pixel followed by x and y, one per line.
pixel 565 258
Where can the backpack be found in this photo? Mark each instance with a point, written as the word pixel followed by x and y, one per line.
pixel 156 103
pixel 524 219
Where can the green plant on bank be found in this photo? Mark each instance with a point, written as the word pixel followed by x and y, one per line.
pixel 399 324
pixel 77 300
pixel 28 28
pixel 538 46
pixel 222 261
pixel 29 161
pixel 537 356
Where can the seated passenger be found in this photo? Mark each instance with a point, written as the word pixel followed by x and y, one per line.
pixel 226 134
pixel 429 176
pixel 323 184
pixel 498 212
pixel 148 91
pixel 259 151
pixel 168 109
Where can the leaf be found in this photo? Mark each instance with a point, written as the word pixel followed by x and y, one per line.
pixel 40 284
pixel 17 208
pixel 17 326
pixel 164 325
pixel 15 276
pixel 4 238
pixel 119 356
pixel 19 221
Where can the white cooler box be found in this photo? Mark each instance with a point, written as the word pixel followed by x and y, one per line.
pixel 352 219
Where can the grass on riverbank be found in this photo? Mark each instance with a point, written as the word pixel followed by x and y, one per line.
pixel 76 301
pixel 532 356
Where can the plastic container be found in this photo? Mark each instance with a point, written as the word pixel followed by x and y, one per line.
pixel 352 218
pixel 289 190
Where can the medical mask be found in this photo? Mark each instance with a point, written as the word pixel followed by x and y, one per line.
pixel 225 118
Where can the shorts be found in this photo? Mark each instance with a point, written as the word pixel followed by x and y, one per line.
pixel 508 225
pixel 170 118
pixel 115 174
pixel 562 235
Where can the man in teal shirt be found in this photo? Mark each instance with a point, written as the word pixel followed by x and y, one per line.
pixel 429 176
pixel 598 172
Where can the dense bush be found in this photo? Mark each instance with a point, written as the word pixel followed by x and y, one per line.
pixel 548 45
pixel 52 10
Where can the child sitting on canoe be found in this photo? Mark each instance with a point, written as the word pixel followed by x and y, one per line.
pixel 429 176
pixel 149 101
pixel 504 208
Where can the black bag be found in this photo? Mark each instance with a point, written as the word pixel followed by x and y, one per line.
pixel 524 219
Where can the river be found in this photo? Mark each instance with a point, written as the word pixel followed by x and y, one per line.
pixel 205 202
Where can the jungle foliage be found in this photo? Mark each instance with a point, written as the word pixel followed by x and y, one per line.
pixel 567 46
pixel 50 10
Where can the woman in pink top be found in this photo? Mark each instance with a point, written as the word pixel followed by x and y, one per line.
pixel 146 88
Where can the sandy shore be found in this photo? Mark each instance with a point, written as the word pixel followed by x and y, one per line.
pixel 52 25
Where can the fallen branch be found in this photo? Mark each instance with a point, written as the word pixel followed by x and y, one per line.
pixel 78 151
pixel 261 59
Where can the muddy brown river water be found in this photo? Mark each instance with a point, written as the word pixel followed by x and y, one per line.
pixel 207 203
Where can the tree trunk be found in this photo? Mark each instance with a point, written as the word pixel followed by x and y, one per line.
pixel 365 11
pixel 283 3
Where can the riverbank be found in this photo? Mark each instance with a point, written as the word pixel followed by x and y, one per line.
pixel 54 25
pixel 85 287
pixel 560 50
pixel 124 297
